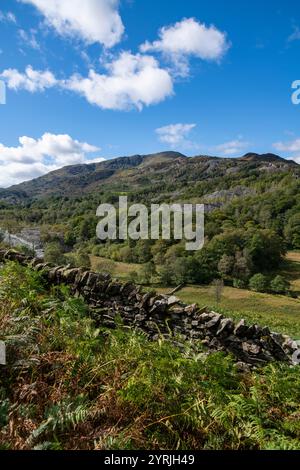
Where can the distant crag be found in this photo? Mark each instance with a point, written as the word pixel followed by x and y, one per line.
pixel 141 171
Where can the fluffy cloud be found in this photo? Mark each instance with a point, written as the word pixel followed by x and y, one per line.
pixel 130 81
pixel 35 157
pixel 189 38
pixel 8 17
pixel 291 147
pixel 234 147
pixel 175 134
pixel 31 80
pixel 28 38
pixel 94 21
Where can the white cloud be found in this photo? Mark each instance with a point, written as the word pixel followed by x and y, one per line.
pixel 175 134
pixel 28 38
pixel 35 157
pixel 94 21
pixel 7 17
pixel 189 38
pixel 131 81
pixel 32 80
pixel 232 148
pixel 292 147
pixel 295 36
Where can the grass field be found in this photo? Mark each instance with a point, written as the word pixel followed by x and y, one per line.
pixel 120 270
pixel 280 313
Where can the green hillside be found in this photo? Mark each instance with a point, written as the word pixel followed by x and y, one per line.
pixel 252 222
pixel 69 384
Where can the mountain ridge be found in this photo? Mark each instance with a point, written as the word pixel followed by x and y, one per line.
pixel 139 170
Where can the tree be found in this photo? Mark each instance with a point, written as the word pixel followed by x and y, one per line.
pixel 69 238
pixel 127 255
pixel 166 275
pixel 143 251
pixel 147 273
pixel 227 243
pixel 292 231
pixel 175 252
pixel 225 265
pixel 158 251
pixel 280 285
pixel 218 286
pixel 85 229
pixel 181 271
pixel 207 269
pixel 185 269
pixel 258 283
pixel 266 249
pixel 242 266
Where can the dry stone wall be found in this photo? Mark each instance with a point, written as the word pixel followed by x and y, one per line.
pixel 111 301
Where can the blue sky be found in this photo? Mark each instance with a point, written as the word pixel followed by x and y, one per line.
pixel 101 79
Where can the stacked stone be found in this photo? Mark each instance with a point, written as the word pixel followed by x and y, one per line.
pixel 160 315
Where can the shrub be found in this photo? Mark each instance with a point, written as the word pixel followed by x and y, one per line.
pixel 2 236
pixel 96 250
pixel 80 259
pixel 239 284
pixel 54 253
pixel 280 285
pixel 25 250
pixel 258 283
pixel 126 255
pixel 133 277
pixel 105 266
pixel 147 273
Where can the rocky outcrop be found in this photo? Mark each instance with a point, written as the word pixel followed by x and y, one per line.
pixel 112 302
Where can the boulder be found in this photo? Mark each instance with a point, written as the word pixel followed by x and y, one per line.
pixel 226 327
pixel 241 329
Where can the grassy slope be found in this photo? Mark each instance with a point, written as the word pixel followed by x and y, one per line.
pixel 120 270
